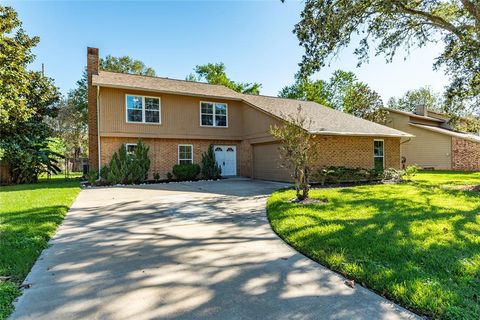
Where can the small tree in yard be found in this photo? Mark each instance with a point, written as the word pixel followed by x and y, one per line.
pixel 298 152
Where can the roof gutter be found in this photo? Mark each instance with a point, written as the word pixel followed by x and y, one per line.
pixel 361 134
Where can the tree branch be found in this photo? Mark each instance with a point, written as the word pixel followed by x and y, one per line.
pixel 473 9
pixel 436 20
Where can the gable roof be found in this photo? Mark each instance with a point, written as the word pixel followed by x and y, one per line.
pixel 321 119
pixel 165 85
pixel 452 133
pixel 414 115
pixel 324 120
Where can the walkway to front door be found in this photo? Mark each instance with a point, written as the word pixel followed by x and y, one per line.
pixel 226 157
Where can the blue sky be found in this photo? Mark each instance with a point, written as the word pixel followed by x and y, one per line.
pixel 253 39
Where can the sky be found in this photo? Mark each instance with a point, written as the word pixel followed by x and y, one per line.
pixel 253 39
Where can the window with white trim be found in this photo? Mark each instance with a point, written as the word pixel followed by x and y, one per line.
pixel 185 154
pixel 143 109
pixel 378 154
pixel 130 147
pixel 213 114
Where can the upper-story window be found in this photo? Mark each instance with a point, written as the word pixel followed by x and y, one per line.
pixel 143 109
pixel 213 114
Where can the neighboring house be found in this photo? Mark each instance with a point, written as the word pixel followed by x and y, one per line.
pixel 180 119
pixel 436 145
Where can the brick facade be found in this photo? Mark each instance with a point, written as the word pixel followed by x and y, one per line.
pixel 334 151
pixel 92 68
pixel 164 152
pixel 356 152
pixel 465 155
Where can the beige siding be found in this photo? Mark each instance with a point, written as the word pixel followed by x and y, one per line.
pixel 427 148
pixel 266 163
pixel 256 123
pixel 180 118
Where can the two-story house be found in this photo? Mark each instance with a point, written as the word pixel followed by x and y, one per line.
pixel 180 119
pixel 435 145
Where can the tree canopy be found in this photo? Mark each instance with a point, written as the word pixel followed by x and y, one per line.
pixel 214 73
pixel 27 98
pixel 124 64
pixel 343 92
pixel 327 26
pixel 412 98
pixel 15 54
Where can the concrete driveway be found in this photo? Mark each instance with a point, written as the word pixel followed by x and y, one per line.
pixel 200 250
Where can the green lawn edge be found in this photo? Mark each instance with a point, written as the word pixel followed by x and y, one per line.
pixel 295 225
pixel 29 217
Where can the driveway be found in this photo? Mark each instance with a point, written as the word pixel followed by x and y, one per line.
pixel 201 250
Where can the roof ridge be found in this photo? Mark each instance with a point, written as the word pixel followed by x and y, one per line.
pixel 167 78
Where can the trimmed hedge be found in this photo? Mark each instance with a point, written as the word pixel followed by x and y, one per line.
pixel 186 171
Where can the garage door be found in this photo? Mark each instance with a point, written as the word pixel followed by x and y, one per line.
pixel 266 163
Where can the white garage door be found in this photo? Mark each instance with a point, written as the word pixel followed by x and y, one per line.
pixel 266 163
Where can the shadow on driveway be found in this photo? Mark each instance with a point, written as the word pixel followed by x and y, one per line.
pixel 184 251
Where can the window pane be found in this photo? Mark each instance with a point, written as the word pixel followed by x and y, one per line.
pixel 152 116
pixel 131 148
pixel 220 108
pixel 221 121
pixel 207 120
pixel 207 108
pixel 378 148
pixel 134 115
pixel 184 154
pixel 378 163
pixel 185 161
pixel 152 104
pixel 134 102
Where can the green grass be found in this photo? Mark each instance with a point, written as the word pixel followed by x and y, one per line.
pixel 417 243
pixel 29 216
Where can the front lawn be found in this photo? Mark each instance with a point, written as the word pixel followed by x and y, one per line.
pixel 29 216
pixel 417 243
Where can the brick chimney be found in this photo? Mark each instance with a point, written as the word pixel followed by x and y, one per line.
pixel 421 110
pixel 92 68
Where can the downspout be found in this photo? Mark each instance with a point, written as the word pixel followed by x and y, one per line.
pixel 98 132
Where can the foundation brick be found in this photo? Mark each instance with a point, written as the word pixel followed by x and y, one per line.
pixel 465 155
pixel 164 152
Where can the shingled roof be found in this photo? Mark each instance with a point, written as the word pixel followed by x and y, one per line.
pixel 324 120
pixel 165 85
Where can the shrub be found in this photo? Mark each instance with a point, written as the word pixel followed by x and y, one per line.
pixel 334 175
pixel 343 174
pixel 91 177
pixel 169 176
pixel 104 174
pixel 210 168
pixel 393 175
pixel 156 176
pixel 186 171
pixel 128 168
pixel 411 171
pixel 28 159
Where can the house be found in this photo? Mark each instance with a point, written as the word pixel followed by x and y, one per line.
pixel 436 145
pixel 179 119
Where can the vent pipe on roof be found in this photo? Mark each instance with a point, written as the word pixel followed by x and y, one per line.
pixel 421 110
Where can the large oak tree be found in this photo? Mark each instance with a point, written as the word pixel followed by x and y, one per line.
pixel 326 26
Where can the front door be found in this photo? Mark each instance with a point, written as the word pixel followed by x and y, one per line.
pixel 226 157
